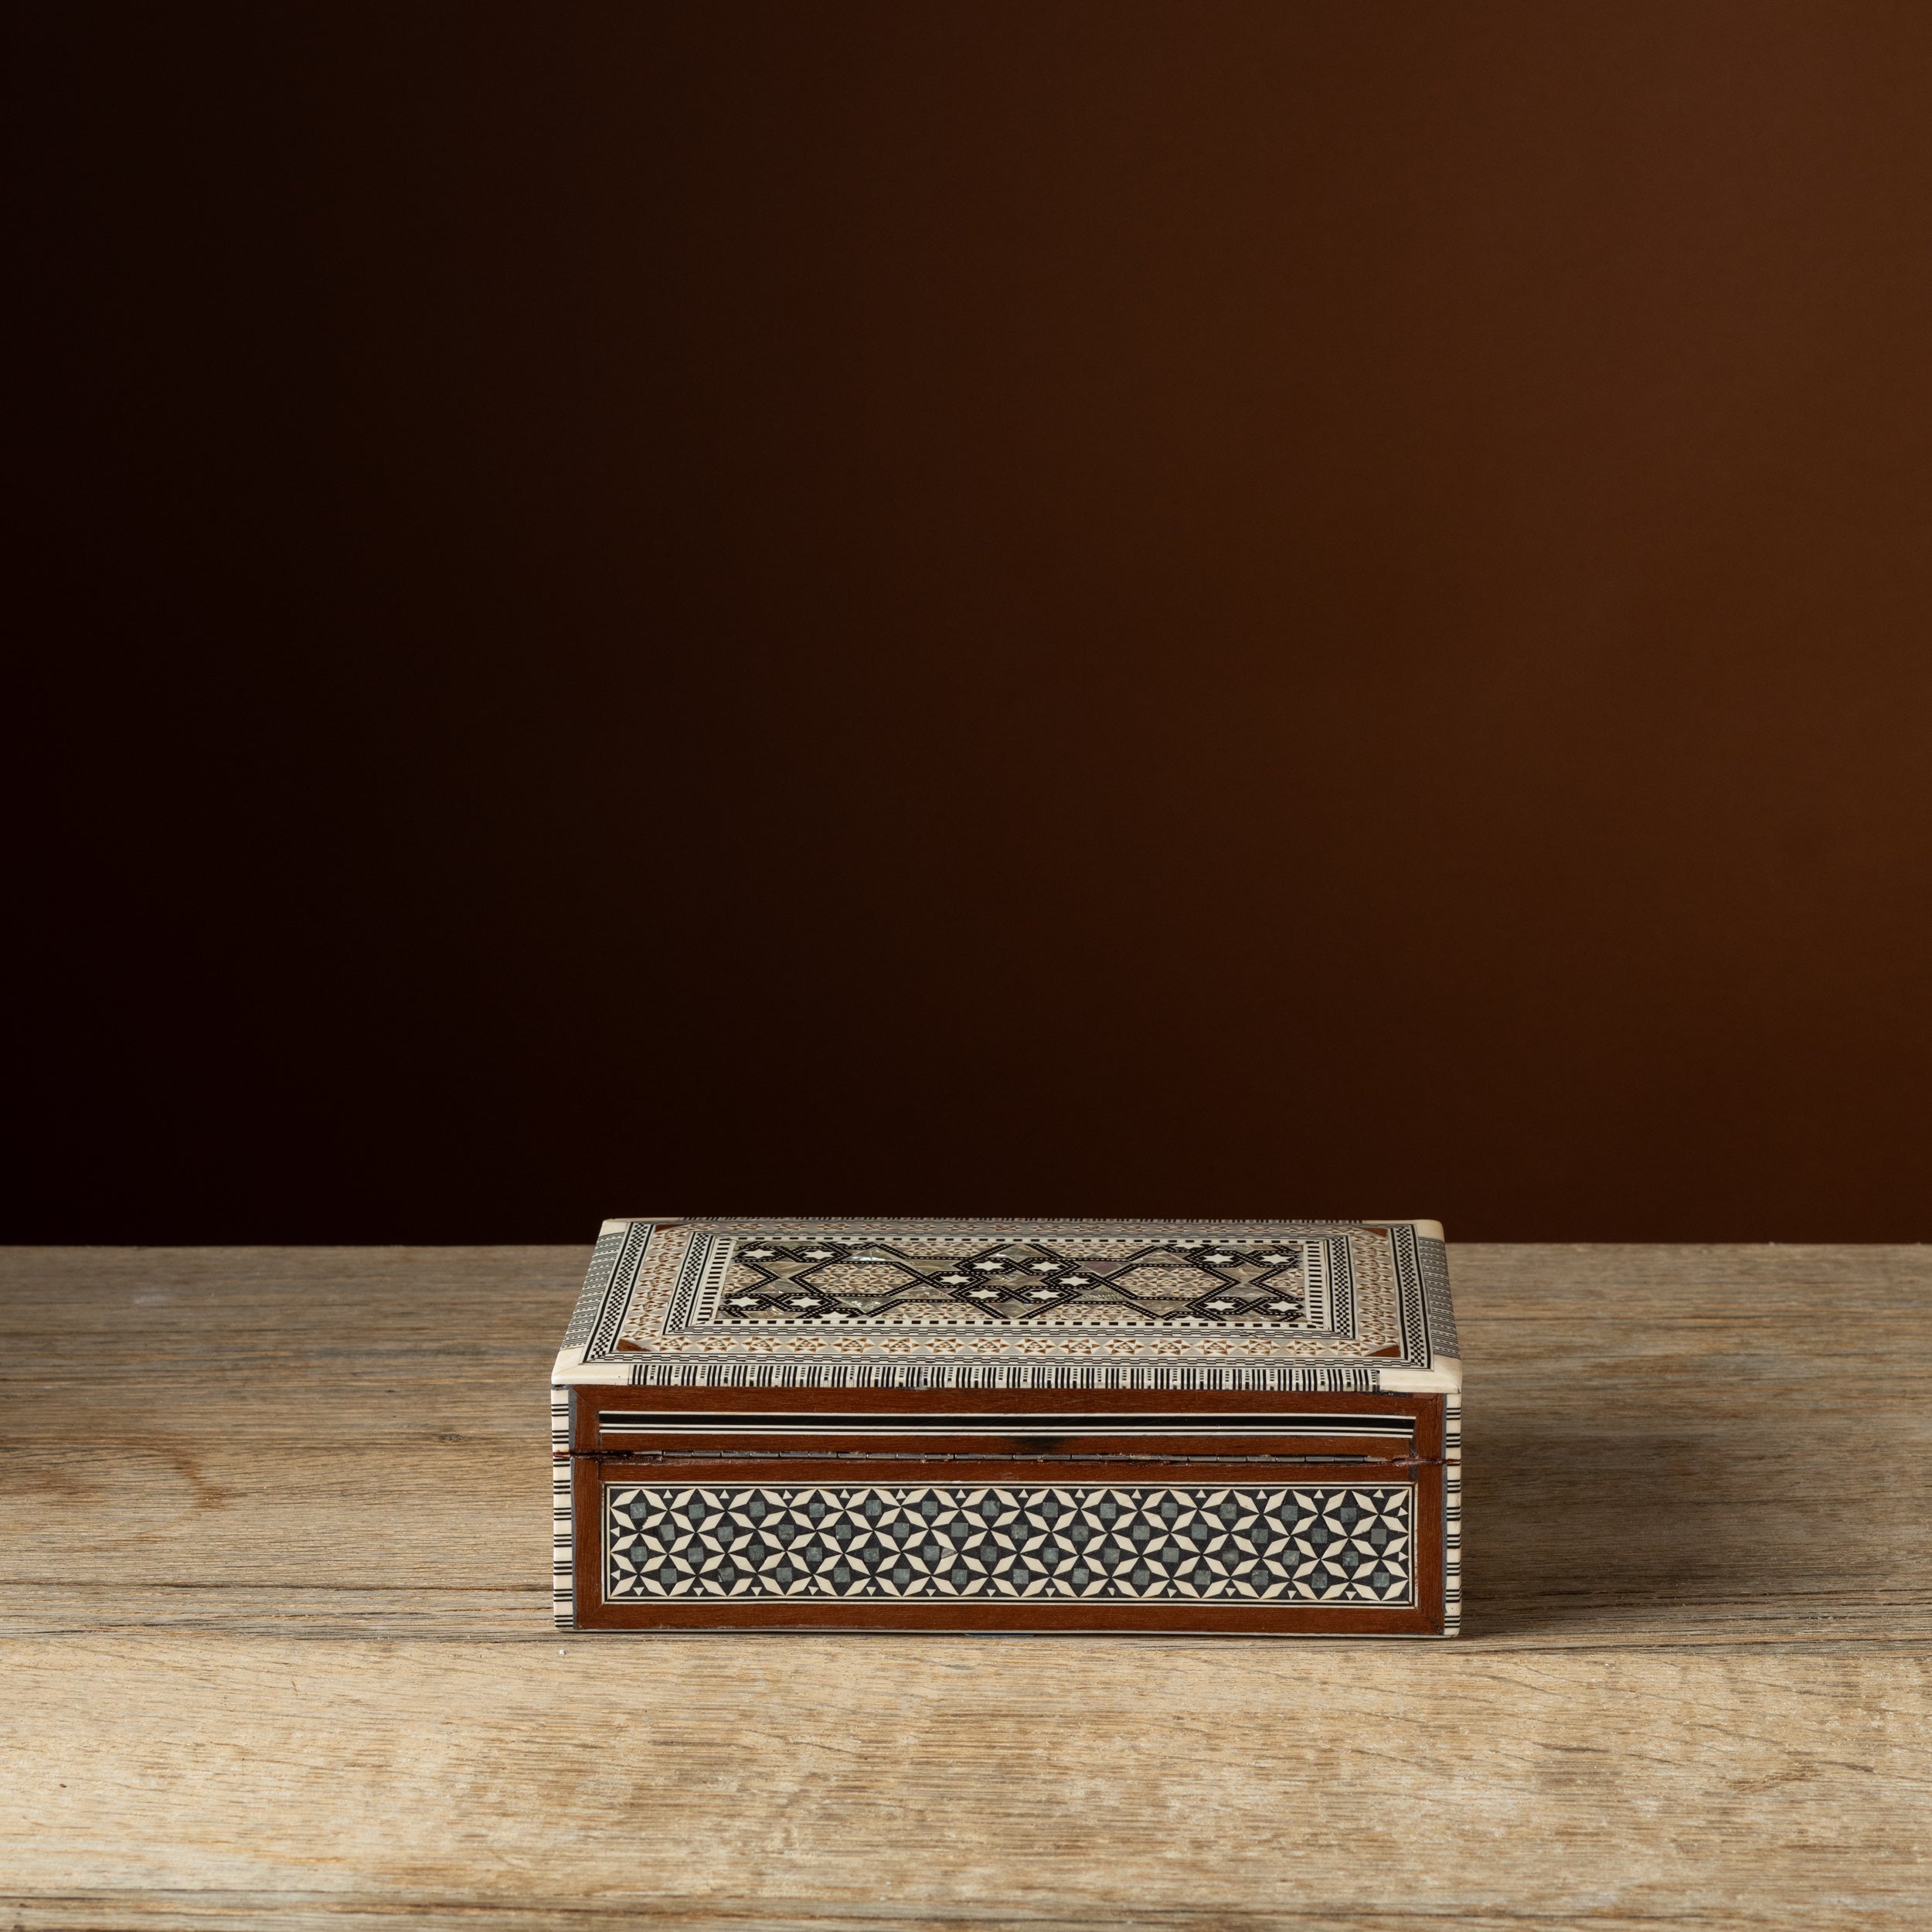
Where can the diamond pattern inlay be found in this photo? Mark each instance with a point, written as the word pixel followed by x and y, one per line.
pixel 1240 1544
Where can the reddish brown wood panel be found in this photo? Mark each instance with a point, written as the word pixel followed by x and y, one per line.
pixel 1172 1618
pixel 591 1404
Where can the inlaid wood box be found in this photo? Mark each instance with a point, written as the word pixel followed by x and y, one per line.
pixel 1189 1427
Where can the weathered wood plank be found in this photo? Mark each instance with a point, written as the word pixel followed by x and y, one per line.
pixel 273 1546
pixel 1338 1779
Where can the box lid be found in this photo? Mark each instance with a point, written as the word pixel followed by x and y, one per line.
pixel 728 1302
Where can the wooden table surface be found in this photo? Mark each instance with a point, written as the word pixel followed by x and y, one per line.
pixel 277 1646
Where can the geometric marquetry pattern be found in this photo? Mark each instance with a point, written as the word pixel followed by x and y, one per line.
pixel 1236 1544
pixel 1191 1282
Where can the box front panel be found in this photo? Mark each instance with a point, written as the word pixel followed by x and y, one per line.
pixel 1156 1541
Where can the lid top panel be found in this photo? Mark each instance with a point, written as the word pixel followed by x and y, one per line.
pixel 1008 1303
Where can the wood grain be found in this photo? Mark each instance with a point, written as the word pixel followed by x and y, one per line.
pixel 274 1582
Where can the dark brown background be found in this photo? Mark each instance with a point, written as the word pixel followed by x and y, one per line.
pixel 1188 609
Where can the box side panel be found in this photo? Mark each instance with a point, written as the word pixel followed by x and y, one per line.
pixel 1432 1261
pixel 1452 1516
pixel 562 1575
pixel 608 1283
